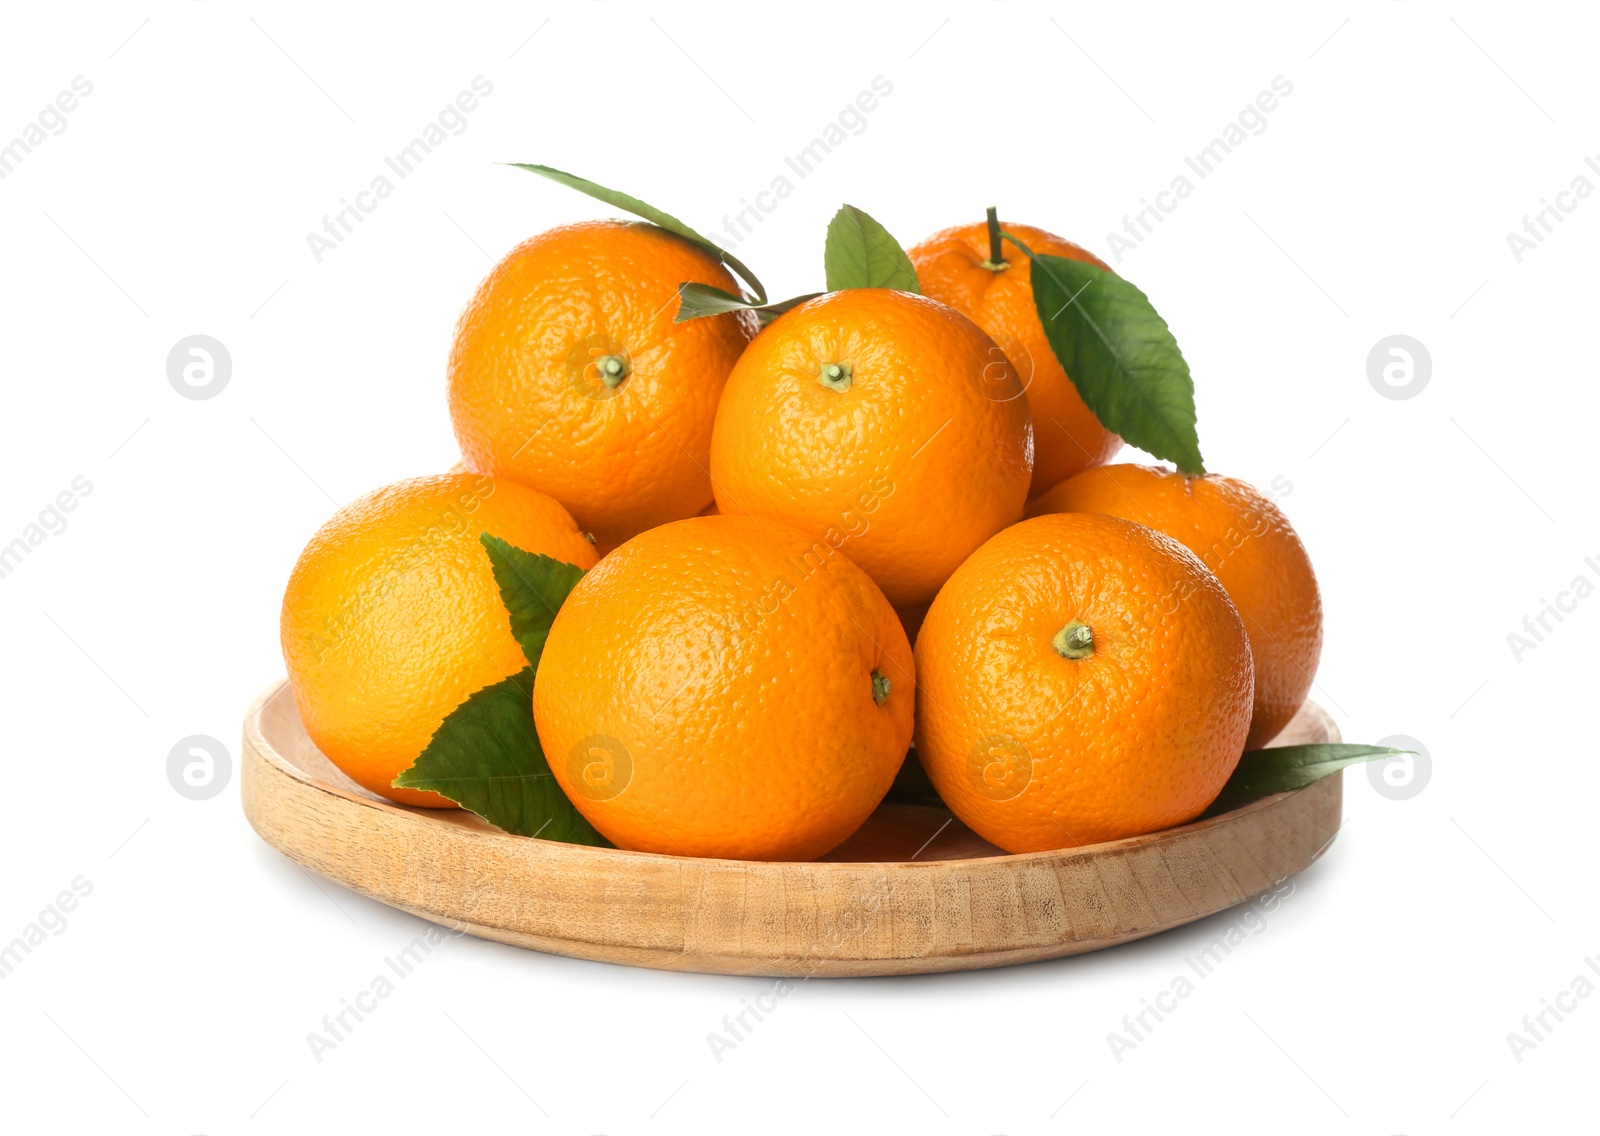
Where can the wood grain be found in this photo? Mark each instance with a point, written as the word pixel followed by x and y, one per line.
pixel 914 891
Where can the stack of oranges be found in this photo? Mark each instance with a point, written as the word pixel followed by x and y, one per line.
pixel 768 518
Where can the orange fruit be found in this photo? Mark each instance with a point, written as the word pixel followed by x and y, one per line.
pixel 569 375
pixel 1247 542
pixel 392 617
pixel 1067 437
pixel 725 687
pixel 867 419
pixel 1080 679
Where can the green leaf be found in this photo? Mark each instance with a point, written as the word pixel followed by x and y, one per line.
pixel 1279 769
pixel 532 587
pixel 860 253
pixel 650 213
pixel 697 300
pixel 1120 354
pixel 486 757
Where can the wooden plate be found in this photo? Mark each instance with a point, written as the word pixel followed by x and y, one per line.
pixel 913 891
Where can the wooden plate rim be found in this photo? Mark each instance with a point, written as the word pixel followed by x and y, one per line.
pixel 722 916
pixel 256 737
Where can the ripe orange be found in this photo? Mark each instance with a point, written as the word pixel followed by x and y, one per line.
pixel 392 617
pixel 722 686
pixel 869 419
pixel 1080 679
pixel 950 267
pixel 569 376
pixel 1247 541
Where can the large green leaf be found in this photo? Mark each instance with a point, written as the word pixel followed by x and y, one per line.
pixel 1120 354
pixel 860 253
pixel 532 588
pixel 696 300
pixel 486 758
pixel 1280 769
pixel 650 213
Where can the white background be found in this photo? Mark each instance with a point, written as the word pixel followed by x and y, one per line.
pixel 1379 996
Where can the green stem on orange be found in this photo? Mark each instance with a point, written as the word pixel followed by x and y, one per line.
pixel 613 369
pixel 834 376
pixel 1074 641
pixel 880 687
pixel 997 259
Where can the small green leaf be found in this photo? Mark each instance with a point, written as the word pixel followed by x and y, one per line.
pixel 486 758
pixel 532 587
pixel 1120 354
pixel 860 253
pixel 1280 769
pixel 650 213
pixel 697 300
